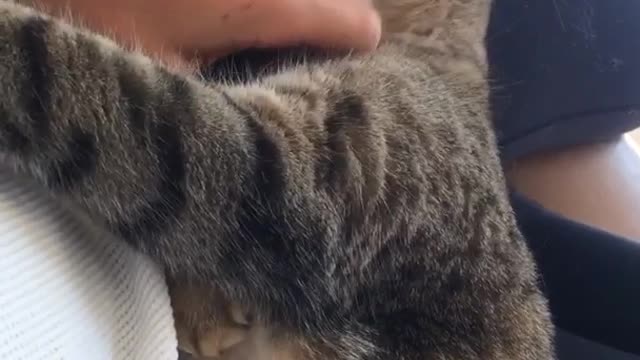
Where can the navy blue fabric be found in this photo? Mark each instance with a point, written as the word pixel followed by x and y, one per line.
pixel 590 276
pixel 564 72
pixel 567 72
pixel 570 346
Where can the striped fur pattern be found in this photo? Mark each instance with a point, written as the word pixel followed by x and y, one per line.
pixel 352 209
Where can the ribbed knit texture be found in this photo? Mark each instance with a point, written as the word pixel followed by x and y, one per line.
pixel 69 291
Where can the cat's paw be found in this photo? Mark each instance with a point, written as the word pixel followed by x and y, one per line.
pixel 213 341
pixel 207 324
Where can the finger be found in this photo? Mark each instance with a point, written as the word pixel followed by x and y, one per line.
pixel 334 24
pixel 341 24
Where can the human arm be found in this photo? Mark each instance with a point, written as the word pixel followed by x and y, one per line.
pixel 596 184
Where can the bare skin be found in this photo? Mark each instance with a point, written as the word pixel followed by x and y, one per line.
pixel 597 185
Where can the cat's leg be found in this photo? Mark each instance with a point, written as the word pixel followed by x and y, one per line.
pixel 355 207
pixel 60 69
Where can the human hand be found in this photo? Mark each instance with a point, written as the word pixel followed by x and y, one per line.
pixel 181 31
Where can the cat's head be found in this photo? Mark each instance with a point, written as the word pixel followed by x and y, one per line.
pixel 424 17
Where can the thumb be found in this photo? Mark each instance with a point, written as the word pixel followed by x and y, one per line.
pixel 338 24
pixel 329 24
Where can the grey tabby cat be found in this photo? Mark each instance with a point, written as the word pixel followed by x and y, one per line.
pixel 353 209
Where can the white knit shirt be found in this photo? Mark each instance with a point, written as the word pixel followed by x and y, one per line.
pixel 68 291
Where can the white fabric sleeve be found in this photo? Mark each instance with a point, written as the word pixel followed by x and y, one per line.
pixel 69 291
